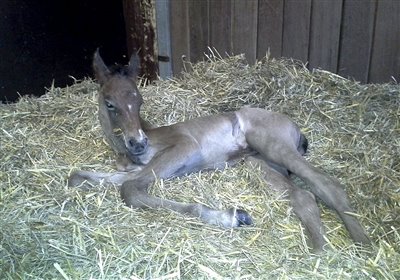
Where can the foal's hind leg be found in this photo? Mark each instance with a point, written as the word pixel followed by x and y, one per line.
pixel 302 201
pixel 282 152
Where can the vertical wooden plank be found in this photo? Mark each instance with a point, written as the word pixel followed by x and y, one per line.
pixel 325 34
pixel 179 24
pixel 140 34
pixel 220 26
pixel 296 29
pixel 244 28
pixel 199 31
pixel 163 38
pixel 270 26
pixel 385 60
pixel 356 39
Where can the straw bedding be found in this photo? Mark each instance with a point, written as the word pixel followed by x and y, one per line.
pixel 50 231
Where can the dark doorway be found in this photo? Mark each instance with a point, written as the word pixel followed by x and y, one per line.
pixel 45 41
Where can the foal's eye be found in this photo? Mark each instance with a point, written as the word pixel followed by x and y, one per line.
pixel 110 106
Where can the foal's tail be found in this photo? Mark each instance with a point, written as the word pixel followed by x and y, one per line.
pixel 303 144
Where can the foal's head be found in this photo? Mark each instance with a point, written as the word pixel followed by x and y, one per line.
pixel 120 101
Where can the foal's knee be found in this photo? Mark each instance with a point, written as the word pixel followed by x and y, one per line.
pixel 131 195
pixel 302 197
pixel 304 201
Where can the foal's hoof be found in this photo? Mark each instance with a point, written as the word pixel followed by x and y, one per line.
pixel 243 218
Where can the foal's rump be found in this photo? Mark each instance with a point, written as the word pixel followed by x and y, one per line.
pixel 267 130
pixel 274 136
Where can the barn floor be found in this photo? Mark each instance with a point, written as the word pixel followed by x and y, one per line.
pixel 48 230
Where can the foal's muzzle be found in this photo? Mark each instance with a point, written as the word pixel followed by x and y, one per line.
pixel 135 147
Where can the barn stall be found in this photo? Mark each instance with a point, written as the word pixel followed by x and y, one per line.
pixel 51 231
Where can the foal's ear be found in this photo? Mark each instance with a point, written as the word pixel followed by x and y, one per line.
pixel 101 71
pixel 134 65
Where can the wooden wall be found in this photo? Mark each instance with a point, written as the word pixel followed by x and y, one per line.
pixel 357 38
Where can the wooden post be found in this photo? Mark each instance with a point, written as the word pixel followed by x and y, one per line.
pixel 140 32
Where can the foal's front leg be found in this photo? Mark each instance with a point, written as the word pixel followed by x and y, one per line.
pixel 169 163
pixel 82 178
pixel 124 164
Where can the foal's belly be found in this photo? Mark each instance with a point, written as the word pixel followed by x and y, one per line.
pixel 222 147
pixel 214 154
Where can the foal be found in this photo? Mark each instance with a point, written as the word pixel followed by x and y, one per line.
pixel 268 140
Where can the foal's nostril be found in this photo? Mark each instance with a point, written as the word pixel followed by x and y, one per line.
pixel 145 140
pixel 132 142
pixel 136 147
